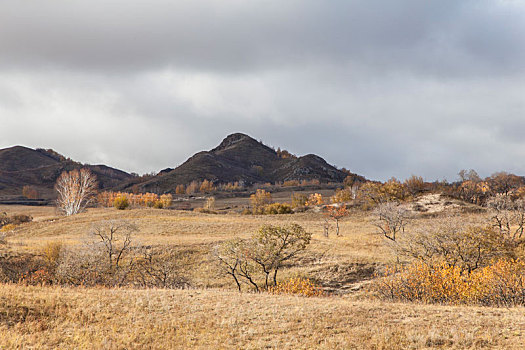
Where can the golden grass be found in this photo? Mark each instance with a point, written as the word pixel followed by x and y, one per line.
pixel 52 317
pixel 97 318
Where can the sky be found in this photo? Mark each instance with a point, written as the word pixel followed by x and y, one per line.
pixel 383 88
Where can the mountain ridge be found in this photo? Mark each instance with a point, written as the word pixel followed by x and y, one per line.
pixel 241 158
pixel 237 158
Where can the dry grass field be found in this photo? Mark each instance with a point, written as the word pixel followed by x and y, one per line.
pixel 212 314
pixel 77 318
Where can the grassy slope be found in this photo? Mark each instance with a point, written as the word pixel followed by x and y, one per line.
pixel 52 317
pixel 48 317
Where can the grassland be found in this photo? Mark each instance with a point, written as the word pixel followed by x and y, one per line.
pixel 49 317
pixel 211 314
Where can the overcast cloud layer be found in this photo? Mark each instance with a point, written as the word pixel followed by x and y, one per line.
pixel 384 88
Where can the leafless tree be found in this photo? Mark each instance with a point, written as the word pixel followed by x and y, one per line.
pixel 115 238
pixel 230 255
pixel 106 258
pixel 76 190
pixel 508 217
pixel 392 219
pixel 160 267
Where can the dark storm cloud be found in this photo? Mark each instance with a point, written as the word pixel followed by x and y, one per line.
pixel 385 88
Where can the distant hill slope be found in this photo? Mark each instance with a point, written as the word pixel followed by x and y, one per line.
pixel 241 158
pixel 21 166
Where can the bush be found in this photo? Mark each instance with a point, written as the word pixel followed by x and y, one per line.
pixel 158 205
pixel 499 284
pixel 8 227
pixel 315 199
pixel 29 192
pixel 278 208
pixel 166 200
pixel 299 200
pixel 342 196
pixel 121 202
pixel 52 252
pixel 259 200
pixel 297 286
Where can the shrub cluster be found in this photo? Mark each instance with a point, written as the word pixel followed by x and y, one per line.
pixel 110 257
pixel 273 209
pixel 123 200
pixel 297 286
pixel 8 223
pixel 501 283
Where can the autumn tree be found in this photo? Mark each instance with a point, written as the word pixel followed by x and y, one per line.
pixel 76 190
pixel 504 183
pixel 260 199
pixel 192 187
pixel 508 217
pixel 275 245
pixel 166 200
pixel 342 196
pixel 299 200
pixel 469 175
pixel 264 253
pixel 206 186
pixel 107 258
pixel 374 193
pixel 180 189
pixel 415 185
pixel 455 240
pixel 29 192
pixel 336 213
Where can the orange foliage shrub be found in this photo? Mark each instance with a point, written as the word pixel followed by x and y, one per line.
pixel 109 199
pixel 315 199
pixel 499 284
pixel 373 193
pixel 297 286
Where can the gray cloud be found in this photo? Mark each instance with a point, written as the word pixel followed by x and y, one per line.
pixel 383 88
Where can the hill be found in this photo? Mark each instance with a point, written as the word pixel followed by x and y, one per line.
pixel 241 158
pixel 21 166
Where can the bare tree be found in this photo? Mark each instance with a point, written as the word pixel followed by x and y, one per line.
pixel 76 190
pixel 115 237
pixel 391 219
pixel 160 267
pixel 508 217
pixel 107 257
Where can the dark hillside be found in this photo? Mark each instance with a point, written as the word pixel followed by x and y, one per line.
pixel 242 158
